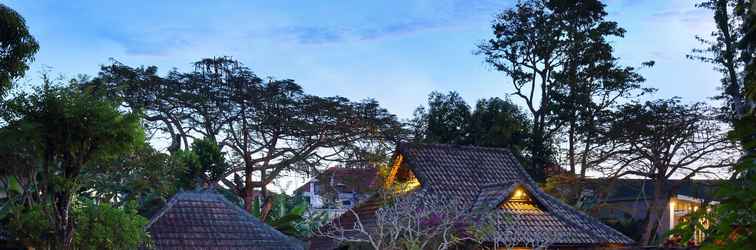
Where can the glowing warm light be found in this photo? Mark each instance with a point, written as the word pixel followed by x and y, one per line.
pixel 671 214
pixel 519 194
pixel 394 170
pixel 408 185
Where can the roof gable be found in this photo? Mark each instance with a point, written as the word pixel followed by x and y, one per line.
pixel 508 194
pixel 206 219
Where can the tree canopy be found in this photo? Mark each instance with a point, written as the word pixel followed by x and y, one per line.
pixel 562 66
pixel 17 47
pixel 493 122
pixel 56 132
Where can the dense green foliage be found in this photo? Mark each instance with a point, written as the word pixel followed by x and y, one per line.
pixel 493 122
pixel 17 47
pixel 145 176
pixel 98 226
pixel 731 50
pixel 102 226
pixel 733 53
pixel 31 224
pixel 53 134
pixel 79 173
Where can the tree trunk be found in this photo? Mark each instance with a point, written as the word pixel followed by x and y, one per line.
pixel 64 226
pixel 249 192
pixel 538 148
pixel 655 212
pixel 587 141
pixel 571 149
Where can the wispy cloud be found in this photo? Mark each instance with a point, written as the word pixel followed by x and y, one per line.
pixel 432 16
pixel 156 42
pixel 685 15
pixel 310 34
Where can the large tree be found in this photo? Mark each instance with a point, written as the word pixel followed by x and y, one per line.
pixel 493 122
pixel 158 98
pixel 277 128
pixel 664 140
pixel 270 126
pixel 591 80
pixel 527 47
pixel 17 47
pixel 59 131
pixel 562 66
pixel 731 49
pixel 496 122
pixel 445 120
pixel 723 51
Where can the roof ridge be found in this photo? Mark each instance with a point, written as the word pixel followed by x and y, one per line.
pixel 495 184
pixel 457 146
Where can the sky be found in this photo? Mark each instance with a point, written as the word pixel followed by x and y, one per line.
pixel 396 52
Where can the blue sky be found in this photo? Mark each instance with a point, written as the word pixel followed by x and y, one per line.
pixel 394 51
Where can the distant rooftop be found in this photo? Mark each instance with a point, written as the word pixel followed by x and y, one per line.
pixel 207 220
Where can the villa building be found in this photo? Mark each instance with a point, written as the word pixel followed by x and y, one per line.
pixel 488 178
pixel 627 200
pixel 338 189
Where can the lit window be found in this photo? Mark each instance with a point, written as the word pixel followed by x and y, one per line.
pixel 519 194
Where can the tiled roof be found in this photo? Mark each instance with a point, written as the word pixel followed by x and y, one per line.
pixel 487 176
pixel 206 220
pixel 642 189
pixel 490 196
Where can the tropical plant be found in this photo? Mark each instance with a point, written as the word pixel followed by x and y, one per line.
pixel 285 214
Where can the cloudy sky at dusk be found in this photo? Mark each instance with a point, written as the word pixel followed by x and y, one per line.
pixel 394 51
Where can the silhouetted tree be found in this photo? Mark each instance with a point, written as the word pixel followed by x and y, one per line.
pixel 662 140
pixel 732 52
pixel 17 47
pixel 528 47
pixel 492 123
pixel 446 119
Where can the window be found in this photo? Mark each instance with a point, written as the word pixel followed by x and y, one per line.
pixel 346 203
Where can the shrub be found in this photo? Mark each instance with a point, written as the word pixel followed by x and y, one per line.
pixel 101 226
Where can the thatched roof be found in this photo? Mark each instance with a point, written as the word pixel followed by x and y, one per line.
pixel 207 220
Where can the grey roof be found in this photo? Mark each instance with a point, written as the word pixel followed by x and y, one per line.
pixel 487 176
pixel 643 189
pixel 207 220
